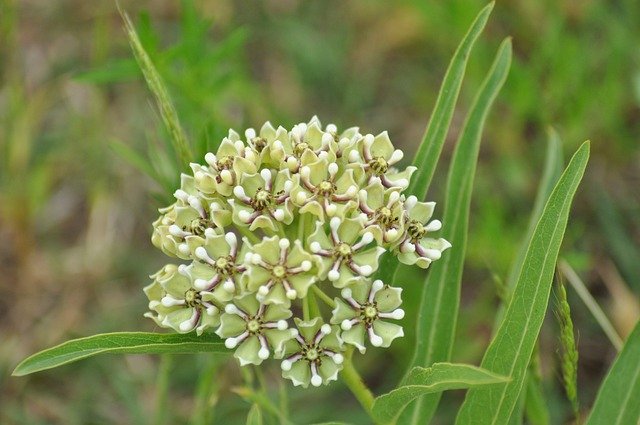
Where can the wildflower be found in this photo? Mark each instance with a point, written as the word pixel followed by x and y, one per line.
pixel 263 200
pixel 314 355
pixel 254 329
pixel 178 304
pixel 416 247
pixel 279 272
pixel 363 310
pixel 316 208
pixel 347 257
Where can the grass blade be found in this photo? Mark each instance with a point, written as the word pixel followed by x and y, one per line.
pixel 617 399
pixel 436 319
pixel 119 342
pixel 157 87
pixel 428 153
pixel 510 351
pixel 255 416
pixel 437 378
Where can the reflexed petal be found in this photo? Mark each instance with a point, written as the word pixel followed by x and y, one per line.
pixel 388 299
pixel 300 374
pixel 247 352
pixel 231 325
pixel 387 331
pixel 355 337
pixel 341 312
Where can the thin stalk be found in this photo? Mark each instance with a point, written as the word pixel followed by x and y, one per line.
pixel 324 297
pixel 162 389
pixel 356 385
pixel 582 291
pixel 305 308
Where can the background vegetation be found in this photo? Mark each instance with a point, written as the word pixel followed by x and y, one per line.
pixel 76 201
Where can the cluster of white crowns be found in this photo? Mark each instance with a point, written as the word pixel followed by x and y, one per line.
pixel 291 222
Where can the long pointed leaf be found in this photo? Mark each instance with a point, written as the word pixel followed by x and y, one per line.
pixel 436 320
pixel 617 400
pixel 437 378
pixel 510 351
pixel 428 153
pixel 119 342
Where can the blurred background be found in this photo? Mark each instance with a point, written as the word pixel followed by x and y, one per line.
pixel 80 137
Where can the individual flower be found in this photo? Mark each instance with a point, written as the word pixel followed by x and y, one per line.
pixel 305 144
pixel 254 329
pixel 263 200
pixel 363 310
pixel 263 142
pixel 416 247
pixel 376 156
pixel 314 355
pixel 178 304
pixel 383 213
pixel 218 264
pixel 232 160
pixel 190 215
pixel 346 257
pixel 322 192
pixel 279 271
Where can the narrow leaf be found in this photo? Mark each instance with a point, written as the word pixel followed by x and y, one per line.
pixel 617 399
pixel 428 153
pixel 157 87
pixel 510 351
pixel 119 342
pixel 436 319
pixel 429 150
pixel 437 378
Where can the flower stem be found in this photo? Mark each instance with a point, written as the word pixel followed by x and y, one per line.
pixel 324 297
pixel 305 308
pixel 354 382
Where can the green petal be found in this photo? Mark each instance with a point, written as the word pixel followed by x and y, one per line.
pixel 387 331
pixel 217 247
pixel 375 195
pixel 247 352
pixel 369 257
pixel 207 321
pixel 248 304
pixel 382 146
pixel 319 171
pixel 342 311
pixel 231 325
pixel 177 285
pixel 269 250
pixel 345 181
pixel 297 255
pixel 299 374
pixel 329 370
pixel 277 296
pixel 349 230
pixel 277 339
pixel 301 283
pixel 309 328
pixel 355 337
pixel 256 276
pixel 422 211
pixel 439 244
pixel 226 148
pixel 176 317
pixel 275 312
pixel 388 299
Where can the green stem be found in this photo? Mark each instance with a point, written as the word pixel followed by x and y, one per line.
pixel 324 297
pixel 354 382
pixel 305 308
pixel 249 235
pixel 162 389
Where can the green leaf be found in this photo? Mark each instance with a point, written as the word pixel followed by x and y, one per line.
pixel 255 416
pixel 134 158
pixel 429 150
pixel 119 342
pixel 157 87
pixel 437 378
pixel 436 319
pixel 617 399
pixel 435 135
pixel 552 170
pixel 510 351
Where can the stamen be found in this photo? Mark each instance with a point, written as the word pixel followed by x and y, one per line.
pixel 191 323
pixel 181 195
pixel 396 156
pixel 376 286
pixel 226 177
pixel 232 241
pixel 211 159
pixel 433 226
pixel 376 341
pixel 233 309
pixel 316 379
pixel 263 353
pixel 169 301
pixel 396 314
pixel 232 342
pixel 367 238
pixel 203 255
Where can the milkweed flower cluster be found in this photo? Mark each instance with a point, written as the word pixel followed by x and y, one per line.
pixel 277 218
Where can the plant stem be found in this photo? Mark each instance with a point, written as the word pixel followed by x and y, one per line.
pixel 249 235
pixel 354 382
pixel 305 308
pixel 324 297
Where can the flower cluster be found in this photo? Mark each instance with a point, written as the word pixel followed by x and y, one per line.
pixel 277 220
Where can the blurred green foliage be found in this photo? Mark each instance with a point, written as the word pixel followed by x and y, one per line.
pixel 75 217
